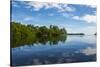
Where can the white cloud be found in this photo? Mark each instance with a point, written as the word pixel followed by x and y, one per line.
pixel 89 51
pixel 36 5
pixel 39 5
pixel 28 19
pixel 76 17
pixel 88 18
pixel 65 8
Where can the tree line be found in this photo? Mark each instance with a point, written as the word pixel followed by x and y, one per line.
pixel 21 32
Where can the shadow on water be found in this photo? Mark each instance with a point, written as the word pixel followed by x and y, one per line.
pixel 43 40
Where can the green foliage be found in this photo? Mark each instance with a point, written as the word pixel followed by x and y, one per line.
pixel 25 34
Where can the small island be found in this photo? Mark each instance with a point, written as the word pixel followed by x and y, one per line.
pixel 75 34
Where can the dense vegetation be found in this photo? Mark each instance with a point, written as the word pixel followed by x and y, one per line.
pixel 29 34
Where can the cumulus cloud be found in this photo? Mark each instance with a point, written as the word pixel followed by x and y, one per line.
pixel 39 5
pixel 88 18
pixel 36 5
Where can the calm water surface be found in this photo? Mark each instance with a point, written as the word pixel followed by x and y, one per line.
pixel 74 49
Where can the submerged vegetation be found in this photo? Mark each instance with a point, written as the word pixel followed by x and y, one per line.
pixel 29 34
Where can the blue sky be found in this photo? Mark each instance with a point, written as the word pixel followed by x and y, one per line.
pixel 73 17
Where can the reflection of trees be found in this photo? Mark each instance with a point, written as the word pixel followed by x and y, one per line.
pixel 41 40
pixel 30 34
pixel 55 40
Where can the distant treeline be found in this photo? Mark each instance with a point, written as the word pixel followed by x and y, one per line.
pixel 26 32
pixel 75 34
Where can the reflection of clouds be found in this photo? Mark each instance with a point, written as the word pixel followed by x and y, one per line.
pixel 60 60
pixel 90 39
pixel 69 60
pixel 51 55
pixel 65 55
pixel 36 61
pixel 89 51
pixel 47 62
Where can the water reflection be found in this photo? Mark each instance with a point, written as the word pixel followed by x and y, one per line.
pixel 41 40
pixel 89 51
pixel 74 49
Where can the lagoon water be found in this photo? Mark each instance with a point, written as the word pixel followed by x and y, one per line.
pixel 76 48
